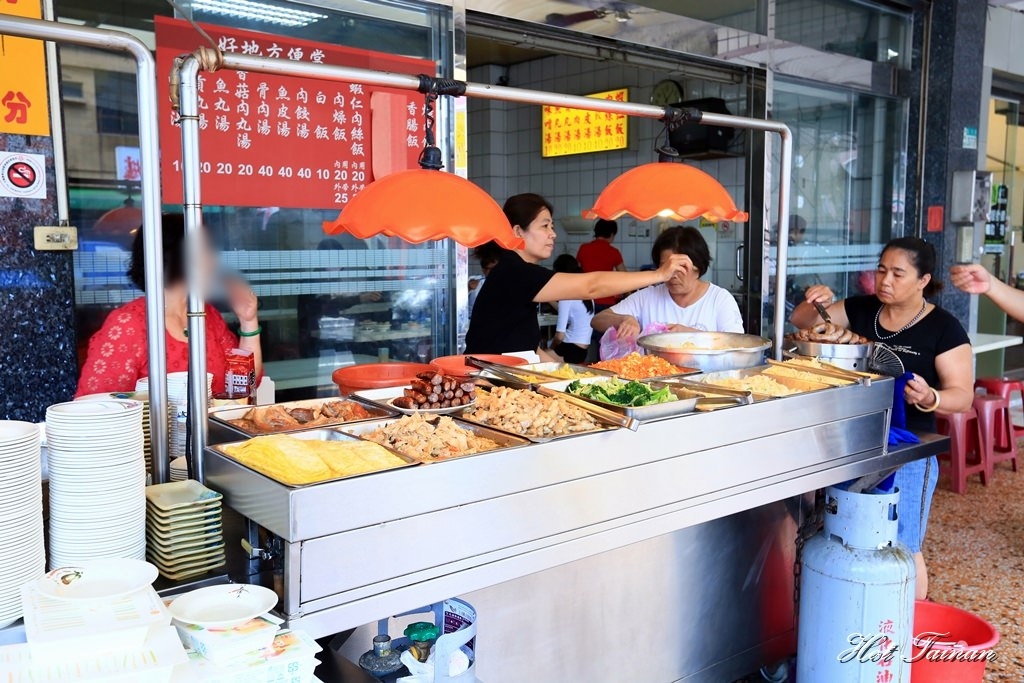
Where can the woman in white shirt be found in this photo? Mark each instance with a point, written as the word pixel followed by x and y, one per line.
pixel 573 332
pixel 686 303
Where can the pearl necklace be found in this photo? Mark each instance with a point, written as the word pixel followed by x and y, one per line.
pixel 880 337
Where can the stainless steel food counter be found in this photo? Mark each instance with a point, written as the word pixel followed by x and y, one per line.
pixel 364 548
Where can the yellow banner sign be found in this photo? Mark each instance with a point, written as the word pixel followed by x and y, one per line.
pixel 24 106
pixel 578 131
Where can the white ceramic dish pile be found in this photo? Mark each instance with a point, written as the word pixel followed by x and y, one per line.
pixel 177 401
pixel 97 481
pixel 143 397
pixel 179 469
pixel 184 534
pixel 22 550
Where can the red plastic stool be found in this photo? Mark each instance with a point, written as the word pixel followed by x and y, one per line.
pixel 996 430
pixel 1005 387
pixel 965 438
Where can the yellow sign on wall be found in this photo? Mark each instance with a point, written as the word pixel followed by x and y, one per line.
pixel 567 131
pixel 24 106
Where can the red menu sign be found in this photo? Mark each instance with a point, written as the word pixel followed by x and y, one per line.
pixel 268 140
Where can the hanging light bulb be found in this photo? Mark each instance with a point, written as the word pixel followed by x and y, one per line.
pixel 666 189
pixel 426 203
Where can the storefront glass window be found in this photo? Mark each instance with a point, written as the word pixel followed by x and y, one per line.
pixel 846 27
pixel 323 303
pixel 848 186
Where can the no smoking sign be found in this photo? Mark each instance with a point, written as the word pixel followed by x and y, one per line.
pixel 22 175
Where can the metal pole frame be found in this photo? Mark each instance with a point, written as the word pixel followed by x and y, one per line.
pixel 188 120
pixel 149 150
pixel 211 60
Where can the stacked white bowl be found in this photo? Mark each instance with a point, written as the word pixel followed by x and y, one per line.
pixel 177 401
pixel 22 549
pixel 97 481
pixel 179 469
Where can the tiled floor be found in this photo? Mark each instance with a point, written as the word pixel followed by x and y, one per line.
pixel 975 555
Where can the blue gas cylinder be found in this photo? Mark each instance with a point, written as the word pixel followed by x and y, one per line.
pixel 856 594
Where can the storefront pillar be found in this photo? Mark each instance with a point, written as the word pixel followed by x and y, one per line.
pixel 38 365
pixel 950 118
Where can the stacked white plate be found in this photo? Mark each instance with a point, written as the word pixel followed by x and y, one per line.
pixel 177 401
pixel 22 550
pixel 183 529
pixel 143 396
pixel 97 481
pixel 179 469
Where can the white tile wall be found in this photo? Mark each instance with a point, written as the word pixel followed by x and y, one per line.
pixel 505 157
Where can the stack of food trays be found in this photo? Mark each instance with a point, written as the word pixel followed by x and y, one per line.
pixel 364 435
pixel 516 410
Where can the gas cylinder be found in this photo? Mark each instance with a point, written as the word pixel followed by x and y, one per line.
pixel 856 594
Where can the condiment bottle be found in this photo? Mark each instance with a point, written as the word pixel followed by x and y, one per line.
pixel 422 634
pixel 381 660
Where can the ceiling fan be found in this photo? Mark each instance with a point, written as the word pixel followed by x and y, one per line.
pixel 619 11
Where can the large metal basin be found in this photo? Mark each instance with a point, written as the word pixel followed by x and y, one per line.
pixel 708 351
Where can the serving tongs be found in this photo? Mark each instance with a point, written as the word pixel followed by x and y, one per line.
pixel 823 312
pixel 509 373
pixel 603 414
pixel 721 396
pixel 828 370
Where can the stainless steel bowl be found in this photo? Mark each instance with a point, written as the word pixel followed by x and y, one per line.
pixel 707 351
pixel 846 356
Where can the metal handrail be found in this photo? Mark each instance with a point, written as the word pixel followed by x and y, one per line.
pixel 149 151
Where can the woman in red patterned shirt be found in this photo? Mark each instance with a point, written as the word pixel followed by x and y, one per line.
pixel 118 353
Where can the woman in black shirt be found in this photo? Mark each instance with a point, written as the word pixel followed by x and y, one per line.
pixel 932 345
pixel 504 316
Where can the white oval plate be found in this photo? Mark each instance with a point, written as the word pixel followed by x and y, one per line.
pixel 97 580
pixel 223 606
pixel 432 411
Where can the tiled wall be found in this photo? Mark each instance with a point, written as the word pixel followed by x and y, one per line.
pixel 505 155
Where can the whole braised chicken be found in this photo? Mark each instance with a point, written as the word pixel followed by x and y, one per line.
pixel 828 333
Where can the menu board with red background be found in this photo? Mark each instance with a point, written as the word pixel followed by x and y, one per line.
pixel 268 140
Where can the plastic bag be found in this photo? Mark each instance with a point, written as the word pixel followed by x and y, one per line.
pixel 612 347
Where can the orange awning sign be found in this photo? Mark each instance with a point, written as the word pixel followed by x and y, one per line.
pixel 24 102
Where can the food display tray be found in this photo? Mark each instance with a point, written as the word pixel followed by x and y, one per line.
pixel 505 440
pixel 791 382
pixel 541 368
pixel 221 430
pixel 603 426
pixel 686 401
pixel 328 434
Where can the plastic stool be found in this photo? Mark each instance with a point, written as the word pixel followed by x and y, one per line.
pixel 1005 387
pixel 965 438
pixel 996 430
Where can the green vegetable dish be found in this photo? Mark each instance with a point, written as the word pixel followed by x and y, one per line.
pixel 632 394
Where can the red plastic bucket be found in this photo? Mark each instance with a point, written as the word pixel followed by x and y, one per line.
pixel 376 375
pixel 960 656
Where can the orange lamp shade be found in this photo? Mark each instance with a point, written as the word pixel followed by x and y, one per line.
pixel 124 220
pixel 667 190
pixel 424 204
